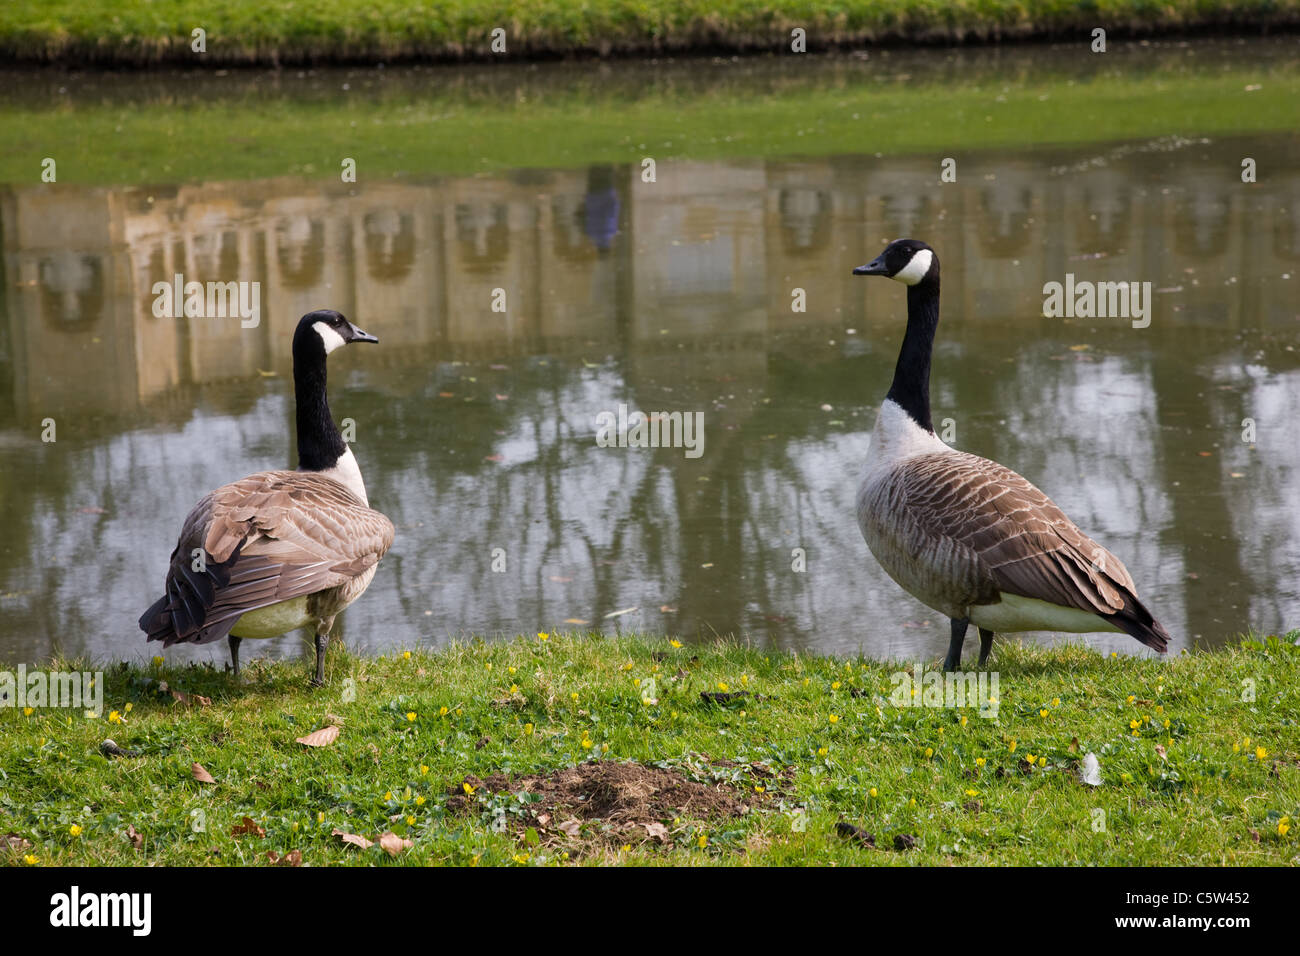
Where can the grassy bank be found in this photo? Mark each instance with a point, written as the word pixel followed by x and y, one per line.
pixel 686 754
pixel 195 127
pixel 245 32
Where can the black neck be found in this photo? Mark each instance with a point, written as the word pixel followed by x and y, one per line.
pixel 320 445
pixel 911 386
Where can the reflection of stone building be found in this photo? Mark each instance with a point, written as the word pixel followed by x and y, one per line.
pixel 710 250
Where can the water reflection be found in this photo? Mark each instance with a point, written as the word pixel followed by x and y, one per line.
pixel 476 427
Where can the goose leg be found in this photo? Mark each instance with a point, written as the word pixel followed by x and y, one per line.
pixel 234 651
pixel 986 645
pixel 953 659
pixel 322 642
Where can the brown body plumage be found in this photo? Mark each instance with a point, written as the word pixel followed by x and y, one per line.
pixel 967 536
pixel 280 549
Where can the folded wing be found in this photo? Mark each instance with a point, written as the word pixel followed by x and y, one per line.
pixel 267 538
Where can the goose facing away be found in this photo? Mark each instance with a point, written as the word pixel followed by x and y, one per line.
pixel 279 550
pixel 965 535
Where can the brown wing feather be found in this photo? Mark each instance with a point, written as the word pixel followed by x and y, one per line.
pixel 1024 542
pixel 269 538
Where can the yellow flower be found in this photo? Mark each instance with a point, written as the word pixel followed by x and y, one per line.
pixel 320 816
pixel 406 655
pixel 410 716
pixel 1260 753
pixel 468 789
pixel 528 728
pixel 636 682
pixel 1283 827
pixel 1012 747
pixel 489 665
pixel 27 711
pixel 744 679
pixel 627 848
pixel 702 840
pixel 543 636
pixel 911 802
pixel 295 826
pixel 1132 725
pixel 834 718
pixel 722 686
pixel 972 793
pixel 424 769
pixel 873 792
pixel 1031 758
pixel 759 788
pixel 388 796
pixel 158 661
pixel 929 752
pixel 675 643
pixel 1166 723
pixel 514 688
pixel 835 685
pixel 419 801
pixel 963 720
pixel 30 859
pixel 1056 702
pixel 1042 761
pixel 1043 712
pixel 520 858
pixel 129 707
pixel 1160 708
pixel 821 751
pixel 980 761
pixel 410 820
pixel 75 830
pixel 442 711
pixel 574 697
pixel 586 742
pixel 512 669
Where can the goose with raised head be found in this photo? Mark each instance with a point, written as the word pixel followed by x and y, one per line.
pixel 965 535
pixel 279 550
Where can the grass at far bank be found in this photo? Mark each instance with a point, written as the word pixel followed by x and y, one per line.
pixel 1190 772
pixel 137 33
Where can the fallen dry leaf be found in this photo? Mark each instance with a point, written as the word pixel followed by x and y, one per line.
pixel 320 738
pixel 15 842
pixel 352 838
pixel 247 825
pixel 136 838
pixel 189 700
pixel 571 827
pixel 393 844
pixel 201 775
pixel 1161 752
pixel 292 858
pixel 656 831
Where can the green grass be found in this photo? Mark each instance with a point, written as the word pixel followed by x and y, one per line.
pixel 417 726
pixel 417 126
pixel 251 31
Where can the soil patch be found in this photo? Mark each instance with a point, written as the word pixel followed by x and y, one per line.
pixel 613 802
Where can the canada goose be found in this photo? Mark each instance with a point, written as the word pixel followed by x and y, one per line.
pixel 280 549
pixel 963 534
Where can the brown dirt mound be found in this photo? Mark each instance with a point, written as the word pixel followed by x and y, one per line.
pixel 620 802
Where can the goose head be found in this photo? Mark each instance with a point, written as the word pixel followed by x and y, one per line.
pixel 330 329
pixel 908 261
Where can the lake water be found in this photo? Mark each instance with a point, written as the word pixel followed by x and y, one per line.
pixel 1173 445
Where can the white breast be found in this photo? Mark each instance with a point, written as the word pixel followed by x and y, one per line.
pixel 347 473
pixel 896 438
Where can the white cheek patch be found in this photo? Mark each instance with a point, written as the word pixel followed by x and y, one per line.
pixel 915 271
pixel 331 338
